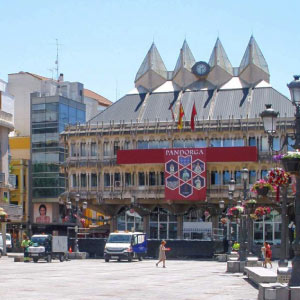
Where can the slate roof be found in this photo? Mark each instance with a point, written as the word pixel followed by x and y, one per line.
pixel 222 104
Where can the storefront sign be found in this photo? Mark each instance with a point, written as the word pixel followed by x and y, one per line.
pixel 185 174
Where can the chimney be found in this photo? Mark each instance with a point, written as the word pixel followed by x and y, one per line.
pixel 61 77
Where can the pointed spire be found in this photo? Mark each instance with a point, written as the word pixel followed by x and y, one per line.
pixel 185 60
pixel 219 58
pixel 254 56
pixel 154 62
pixel 182 74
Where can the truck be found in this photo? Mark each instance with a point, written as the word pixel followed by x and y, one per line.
pixel 125 245
pixel 48 247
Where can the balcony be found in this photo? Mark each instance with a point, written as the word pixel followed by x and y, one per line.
pixel 6 120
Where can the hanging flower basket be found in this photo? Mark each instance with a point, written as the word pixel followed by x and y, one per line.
pixel 262 211
pixel 253 217
pixel 262 187
pixel 291 165
pixel 235 211
pixel 278 177
pixel 290 162
pixel 224 221
pixel 262 191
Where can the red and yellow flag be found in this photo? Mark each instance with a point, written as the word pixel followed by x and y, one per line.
pixel 180 117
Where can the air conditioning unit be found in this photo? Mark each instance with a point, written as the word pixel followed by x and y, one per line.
pixel 117 184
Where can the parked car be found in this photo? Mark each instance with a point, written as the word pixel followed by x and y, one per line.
pixel 8 242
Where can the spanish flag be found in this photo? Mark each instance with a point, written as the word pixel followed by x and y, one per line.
pixel 180 116
pixel 194 113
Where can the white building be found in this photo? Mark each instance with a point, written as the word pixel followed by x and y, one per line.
pixel 95 103
pixel 6 125
pixel 22 84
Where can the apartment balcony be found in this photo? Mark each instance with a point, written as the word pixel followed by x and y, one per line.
pixel 6 120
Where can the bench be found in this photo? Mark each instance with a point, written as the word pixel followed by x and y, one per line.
pixel 253 262
pixel 260 275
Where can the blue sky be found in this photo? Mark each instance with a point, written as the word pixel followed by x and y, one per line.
pixel 105 41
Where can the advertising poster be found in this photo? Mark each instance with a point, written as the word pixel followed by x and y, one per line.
pixel 42 213
pixel 185 174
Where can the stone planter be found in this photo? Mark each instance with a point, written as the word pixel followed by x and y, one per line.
pixel 262 191
pixel 291 165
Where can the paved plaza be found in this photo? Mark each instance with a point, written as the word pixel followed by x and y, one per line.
pixel 95 279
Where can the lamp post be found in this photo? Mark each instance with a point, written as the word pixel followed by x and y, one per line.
pixel 294 88
pixel 243 229
pixel 78 213
pixel 269 121
pixel 231 188
pixel 77 223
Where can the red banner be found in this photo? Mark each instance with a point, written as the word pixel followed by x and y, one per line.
pixel 185 174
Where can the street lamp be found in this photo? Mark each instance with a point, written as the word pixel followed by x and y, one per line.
pixel 221 205
pixel 231 188
pixel 231 185
pixel 77 224
pixel 243 228
pixel 294 88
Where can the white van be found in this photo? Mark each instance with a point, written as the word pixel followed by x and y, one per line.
pixel 125 245
pixel 8 243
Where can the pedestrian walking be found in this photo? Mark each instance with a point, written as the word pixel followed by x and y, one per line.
pixel 25 245
pixel 162 254
pixel 268 255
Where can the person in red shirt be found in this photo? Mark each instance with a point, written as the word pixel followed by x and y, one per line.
pixel 268 255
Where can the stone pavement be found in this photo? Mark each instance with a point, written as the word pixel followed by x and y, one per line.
pixel 95 279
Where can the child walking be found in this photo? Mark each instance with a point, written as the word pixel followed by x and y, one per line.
pixel 162 254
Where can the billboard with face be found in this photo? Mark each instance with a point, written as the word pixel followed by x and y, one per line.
pixel 42 213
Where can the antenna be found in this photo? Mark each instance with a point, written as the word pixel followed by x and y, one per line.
pixel 57 59
pixel 57 62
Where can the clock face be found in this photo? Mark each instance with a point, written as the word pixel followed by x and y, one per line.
pixel 201 68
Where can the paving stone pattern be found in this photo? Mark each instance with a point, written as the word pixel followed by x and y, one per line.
pixel 95 279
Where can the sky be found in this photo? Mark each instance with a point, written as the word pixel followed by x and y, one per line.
pixel 102 43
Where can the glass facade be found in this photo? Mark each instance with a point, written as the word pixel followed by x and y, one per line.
pixel 49 115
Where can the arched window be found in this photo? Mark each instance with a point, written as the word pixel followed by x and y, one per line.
pixel 162 224
pixel 130 220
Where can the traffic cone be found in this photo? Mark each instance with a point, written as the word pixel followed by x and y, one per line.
pixel 70 249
